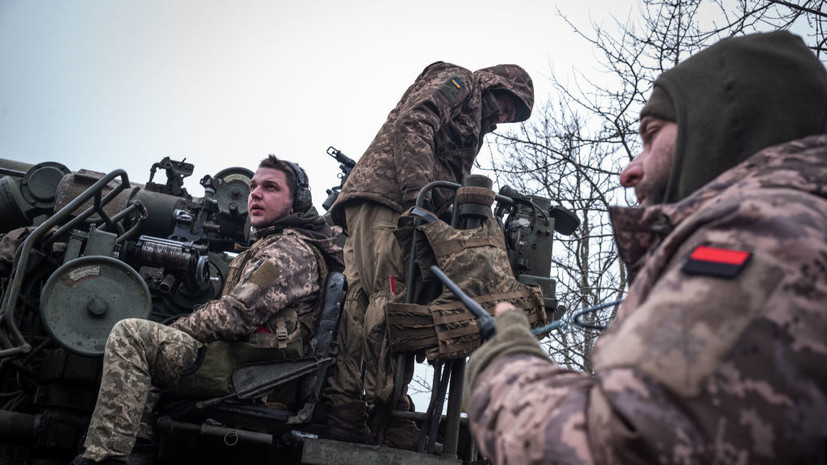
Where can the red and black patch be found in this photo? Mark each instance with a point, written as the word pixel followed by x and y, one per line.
pixel 713 261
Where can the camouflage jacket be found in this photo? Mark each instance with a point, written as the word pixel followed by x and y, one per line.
pixel 433 133
pixel 271 294
pixel 697 368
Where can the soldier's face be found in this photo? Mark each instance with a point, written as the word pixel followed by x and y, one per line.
pixel 270 197
pixel 649 172
pixel 508 111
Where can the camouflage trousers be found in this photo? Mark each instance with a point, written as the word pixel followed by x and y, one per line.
pixel 139 354
pixel 372 257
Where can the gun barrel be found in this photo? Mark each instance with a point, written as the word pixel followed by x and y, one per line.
pixel 484 320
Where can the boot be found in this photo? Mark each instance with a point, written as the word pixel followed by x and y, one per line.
pixel 398 433
pixel 402 434
pixel 348 423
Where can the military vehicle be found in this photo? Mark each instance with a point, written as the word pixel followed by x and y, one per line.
pixel 80 250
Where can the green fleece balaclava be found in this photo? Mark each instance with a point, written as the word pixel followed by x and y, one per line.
pixel 734 99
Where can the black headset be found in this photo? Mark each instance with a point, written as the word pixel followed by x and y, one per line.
pixel 302 198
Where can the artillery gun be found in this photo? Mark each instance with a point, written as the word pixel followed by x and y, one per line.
pixel 82 250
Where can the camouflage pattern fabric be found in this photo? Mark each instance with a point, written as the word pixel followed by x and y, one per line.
pixel 139 354
pixel 477 261
pixel 274 284
pixel 433 133
pixel 696 368
pixel 372 256
pixel 513 335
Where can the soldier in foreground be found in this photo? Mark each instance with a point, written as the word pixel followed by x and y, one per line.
pixel 433 134
pixel 269 300
pixel 717 354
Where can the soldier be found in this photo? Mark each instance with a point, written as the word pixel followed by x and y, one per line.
pixel 434 133
pixel 269 300
pixel 717 354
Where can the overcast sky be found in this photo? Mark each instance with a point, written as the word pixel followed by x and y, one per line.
pixel 102 84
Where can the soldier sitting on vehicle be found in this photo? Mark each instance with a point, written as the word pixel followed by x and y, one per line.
pixel 270 300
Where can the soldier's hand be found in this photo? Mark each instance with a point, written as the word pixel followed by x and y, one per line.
pixel 503 307
pixel 513 337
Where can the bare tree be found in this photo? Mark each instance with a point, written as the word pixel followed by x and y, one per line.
pixel 576 144
pixel 806 18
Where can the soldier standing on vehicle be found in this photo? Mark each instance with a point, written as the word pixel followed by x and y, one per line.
pixel 433 134
pixel 270 299
pixel 717 354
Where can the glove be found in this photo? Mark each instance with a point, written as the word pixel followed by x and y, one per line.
pixel 513 337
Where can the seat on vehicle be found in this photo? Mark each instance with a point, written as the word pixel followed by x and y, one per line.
pixel 251 404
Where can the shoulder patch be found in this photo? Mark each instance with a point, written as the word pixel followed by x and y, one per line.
pixel 713 261
pixel 452 88
pixel 264 274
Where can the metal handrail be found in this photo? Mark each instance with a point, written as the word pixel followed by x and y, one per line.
pixel 21 259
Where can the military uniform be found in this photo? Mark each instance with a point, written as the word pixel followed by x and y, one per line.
pixel 434 133
pixel 270 299
pixel 717 352
pixel 697 368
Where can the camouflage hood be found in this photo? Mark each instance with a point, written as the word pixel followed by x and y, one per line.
pixel 315 231
pixel 512 79
pixel 738 97
pixel 434 133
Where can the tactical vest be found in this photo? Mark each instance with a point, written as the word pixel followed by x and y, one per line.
pixel 211 375
pixel 286 329
pixel 475 259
